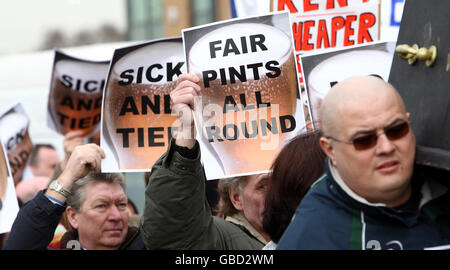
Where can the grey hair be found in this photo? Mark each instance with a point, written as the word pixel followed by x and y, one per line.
pixel 77 198
pixel 225 206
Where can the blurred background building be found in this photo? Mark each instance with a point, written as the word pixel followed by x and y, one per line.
pixel 150 19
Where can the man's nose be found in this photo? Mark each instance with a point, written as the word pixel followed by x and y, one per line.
pixel 114 213
pixel 384 145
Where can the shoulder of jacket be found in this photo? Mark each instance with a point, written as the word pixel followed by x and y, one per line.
pixel 236 236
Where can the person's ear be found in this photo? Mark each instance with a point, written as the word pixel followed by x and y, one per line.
pixel 328 149
pixel 235 198
pixel 72 216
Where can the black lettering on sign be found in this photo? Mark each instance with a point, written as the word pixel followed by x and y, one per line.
pixel 81 104
pixel 146 137
pixel 127 76
pixel 18 161
pixel 153 73
pixel 243 130
pixel 89 86
pixel 230 103
pixel 12 142
pixel 125 137
pixel 129 105
pixel 230 47
pixel 78 123
pixel 239 73
pixel 148 73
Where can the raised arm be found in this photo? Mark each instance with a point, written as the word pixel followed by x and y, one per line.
pixel 37 220
pixel 177 215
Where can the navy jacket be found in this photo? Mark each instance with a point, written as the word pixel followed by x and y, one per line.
pixel 329 217
pixel 35 225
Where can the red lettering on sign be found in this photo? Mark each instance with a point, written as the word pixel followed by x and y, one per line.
pixel 336 24
pixel 307 6
pixel 366 20
pixel 289 4
pixel 342 3
pixel 325 33
pixel 349 31
pixel 322 35
pixel 307 35
pixel 297 35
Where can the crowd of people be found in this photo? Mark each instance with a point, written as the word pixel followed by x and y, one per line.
pixel 352 183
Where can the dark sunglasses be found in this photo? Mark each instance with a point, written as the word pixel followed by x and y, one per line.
pixel 364 142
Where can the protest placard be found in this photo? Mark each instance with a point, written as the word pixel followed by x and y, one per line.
pixel 136 119
pixel 76 88
pixel 8 199
pixel 324 24
pixel 14 125
pixel 323 70
pixel 249 106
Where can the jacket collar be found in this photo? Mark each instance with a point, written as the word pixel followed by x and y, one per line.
pixel 424 189
pixel 338 179
pixel 430 189
pixel 239 219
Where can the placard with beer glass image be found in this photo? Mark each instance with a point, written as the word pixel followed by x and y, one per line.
pixel 4 174
pixel 324 69
pixel 249 101
pixel 8 198
pixel 75 97
pixel 14 126
pixel 136 116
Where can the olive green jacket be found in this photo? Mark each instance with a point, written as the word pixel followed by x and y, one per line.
pixel 177 214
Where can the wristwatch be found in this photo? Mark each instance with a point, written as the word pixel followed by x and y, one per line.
pixel 54 185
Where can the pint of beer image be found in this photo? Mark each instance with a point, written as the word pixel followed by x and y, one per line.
pixel 76 95
pixel 256 50
pixel 3 175
pixel 17 142
pixel 137 103
pixel 342 65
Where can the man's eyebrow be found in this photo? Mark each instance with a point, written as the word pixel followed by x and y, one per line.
pixel 263 177
pixel 362 132
pixel 100 200
pixel 395 121
pixel 368 131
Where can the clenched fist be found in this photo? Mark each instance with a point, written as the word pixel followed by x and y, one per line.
pixel 84 158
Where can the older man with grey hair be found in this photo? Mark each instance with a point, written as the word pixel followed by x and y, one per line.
pixel 96 206
pixel 372 195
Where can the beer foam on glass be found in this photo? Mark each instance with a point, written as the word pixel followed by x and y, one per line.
pixel 137 115
pixel 17 141
pixel 76 95
pixel 254 68
pixel 342 66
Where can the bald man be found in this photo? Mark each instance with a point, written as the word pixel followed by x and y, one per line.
pixel 372 196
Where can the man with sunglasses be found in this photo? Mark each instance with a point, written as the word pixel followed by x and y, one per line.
pixel 372 195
